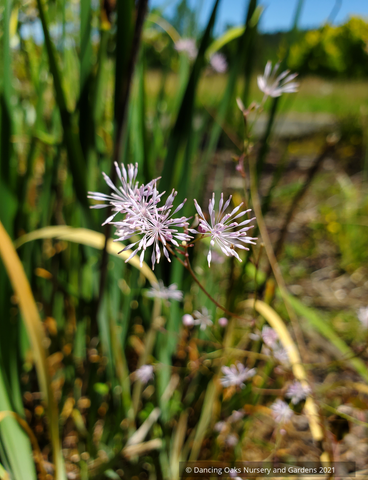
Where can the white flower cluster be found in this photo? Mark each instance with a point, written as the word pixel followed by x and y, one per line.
pixel 221 229
pixel 145 217
pixel 297 392
pixel 203 319
pixel 236 375
pixel 144 374
pixel 272 344
pixel 218 62
pixel 281 411
pixel 165 293
pixel 233 418
pixel 188 46
pixel 153 222
pixel 274 86
pixel 363 316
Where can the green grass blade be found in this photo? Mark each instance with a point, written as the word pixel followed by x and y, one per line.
pixel 253 16
pixel 8 206
pixel 182 127
pixel 85 41
pixel 137 127
pixel 100 78
pixel 324 329
pixel 263 151
pixel 6 121
pixel 36 333
pixel 227 37
pixel 86 126
pixel 3 473
pixel 227 100
pixel 165 25
pixel 72 143
pixel 205 419
pixel 124 39
pixel 15 441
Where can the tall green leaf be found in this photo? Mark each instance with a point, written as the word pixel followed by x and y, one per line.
pixel 183 124
pixel 77 162
pixel 319 324
pixel 244 51
pixel 124 41
pixel 17 446
pixel 86 126
pixel 6 121
pixel 263 151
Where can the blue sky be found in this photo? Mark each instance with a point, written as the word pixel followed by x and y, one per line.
pixel 277 15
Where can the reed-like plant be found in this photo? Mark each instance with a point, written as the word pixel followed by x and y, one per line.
pixel 115 361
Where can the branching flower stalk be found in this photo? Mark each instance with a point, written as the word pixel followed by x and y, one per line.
pixel 139 213
pixel 278 87
pixel 148 348
pixel 120 119
pixel 145 216
pixel 187 265
pixel 156 225
pixel 271 86
pixel 273 262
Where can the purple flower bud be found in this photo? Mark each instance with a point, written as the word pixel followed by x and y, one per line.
pixel 188 320
pixel 223 321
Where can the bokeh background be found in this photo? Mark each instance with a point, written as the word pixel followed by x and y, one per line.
pixel 86 83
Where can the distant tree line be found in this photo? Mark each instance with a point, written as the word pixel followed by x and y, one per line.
pixel 330 51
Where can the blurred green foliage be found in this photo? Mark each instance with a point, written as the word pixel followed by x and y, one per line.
pixel 330 51
pixel 60 90
pixel 333 51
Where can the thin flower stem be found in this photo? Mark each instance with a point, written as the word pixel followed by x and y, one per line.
pixel 269 391
pixel 187 265
pixel 272 259
pixel 277 434
pixel 327 149
pixel 259 110
pixel 148 347
pixel 120 114
pixel 192 242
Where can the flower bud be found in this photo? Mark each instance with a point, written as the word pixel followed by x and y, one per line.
pixel 223 321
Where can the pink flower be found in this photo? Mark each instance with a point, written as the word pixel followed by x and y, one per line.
pixel 274 86
pixel 218 62
pixel 227 236
pixel 142 215
pixel 363 316
pixel 144 373
pixel 127 197
pixel 223 322
pixel 236 375
pixel 202 318
pixel 231 440
pixel 297 392
pixel 269 336
pixel 235 416
pixel 166 293
pixel 188 320
pixel 157 228
pixel 188 46
pixel 281 411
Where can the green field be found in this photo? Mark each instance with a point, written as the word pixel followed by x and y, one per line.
pixel 228 320
pixel 316 95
